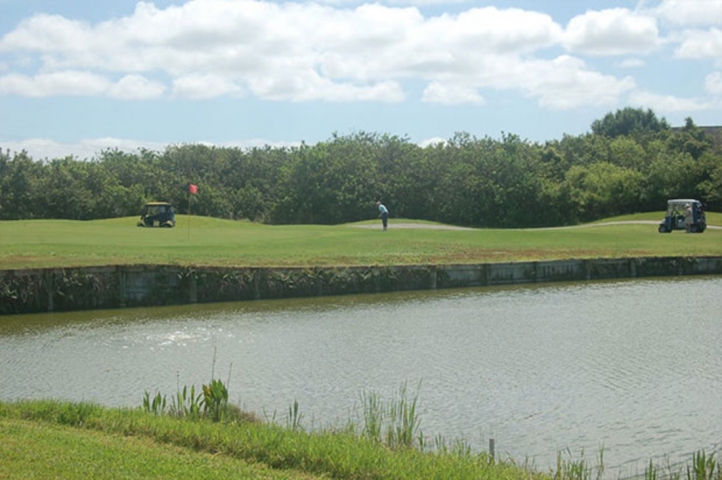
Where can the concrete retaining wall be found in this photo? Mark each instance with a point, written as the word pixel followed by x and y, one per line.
pixel 45 290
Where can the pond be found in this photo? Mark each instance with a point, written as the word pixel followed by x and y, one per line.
pixel 630 367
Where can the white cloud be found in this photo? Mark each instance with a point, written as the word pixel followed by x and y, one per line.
pixel 565 83
pixel 611 32
pixel 52 34
pixel 631 63
pixel 204 86
pixel 436 92
pixel 310 52
pixel 415 3
pixel 432 142
pixel 41 148
pixel 493 30
pixel 388 92
pixel 309 86
pixel 52 84
pixel 86 149
pixel 77 83
pixel 668 103
pixel 401 3
pixel 136 87
pixel 713 83
pixel 701 44
pixel 690 12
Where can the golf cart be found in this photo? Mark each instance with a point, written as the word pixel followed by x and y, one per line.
pixel 674 220
pixel 157 214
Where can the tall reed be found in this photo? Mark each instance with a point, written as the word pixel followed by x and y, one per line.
pixel 704 467
pixel 373 415
pixel 404 422
pixel 293 422
pixel 396 423
pixel 580 469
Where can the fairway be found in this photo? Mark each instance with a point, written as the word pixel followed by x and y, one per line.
pixel 204 241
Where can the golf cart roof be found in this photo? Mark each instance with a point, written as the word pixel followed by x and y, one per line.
pixel 683 200
pixel 155 204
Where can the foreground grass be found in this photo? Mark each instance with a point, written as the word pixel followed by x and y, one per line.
pixel 208 241
pixel 62 440
pixel 39 450
pixel 74 440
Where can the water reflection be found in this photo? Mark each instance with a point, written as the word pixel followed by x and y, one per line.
pixel 633 367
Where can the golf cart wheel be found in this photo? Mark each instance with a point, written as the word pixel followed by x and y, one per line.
pixel 662 229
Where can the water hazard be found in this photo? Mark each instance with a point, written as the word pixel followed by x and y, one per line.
pixel 632 367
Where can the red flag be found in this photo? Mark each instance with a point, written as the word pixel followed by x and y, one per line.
pixel 193 188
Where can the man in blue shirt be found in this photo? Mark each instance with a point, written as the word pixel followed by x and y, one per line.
pixel 383 213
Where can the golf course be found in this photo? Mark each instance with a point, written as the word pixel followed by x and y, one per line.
pixel 57 439
pixel 205 241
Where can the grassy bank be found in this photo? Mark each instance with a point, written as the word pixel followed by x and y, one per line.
pixel 70 440
pixel 207 241
pixel 32 449
pixel 61 440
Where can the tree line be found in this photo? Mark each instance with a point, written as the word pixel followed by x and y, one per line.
pixel 631 161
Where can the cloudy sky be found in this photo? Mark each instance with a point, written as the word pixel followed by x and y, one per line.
pixel 78 76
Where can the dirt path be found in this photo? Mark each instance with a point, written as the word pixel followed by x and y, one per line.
pixel 426 226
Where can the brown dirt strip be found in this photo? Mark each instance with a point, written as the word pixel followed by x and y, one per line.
pixel 427 226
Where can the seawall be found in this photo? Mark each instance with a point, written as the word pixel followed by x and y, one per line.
pixel 85 288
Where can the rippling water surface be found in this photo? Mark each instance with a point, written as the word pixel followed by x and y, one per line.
pixel 632 367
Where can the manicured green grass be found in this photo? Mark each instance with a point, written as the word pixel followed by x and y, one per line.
pixel 209 241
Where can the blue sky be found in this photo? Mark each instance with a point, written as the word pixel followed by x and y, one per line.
pixel 78 76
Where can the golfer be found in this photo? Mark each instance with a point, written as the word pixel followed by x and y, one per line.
pixel 383 213
pixel 688 218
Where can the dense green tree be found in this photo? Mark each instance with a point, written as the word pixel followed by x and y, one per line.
pixel 19 186
pixel 629 121
pixel 710 188
pixel 331 182
pixel 690 139
pixel 631 161
pixel 251 178
pixel 626 152
pixel 604 189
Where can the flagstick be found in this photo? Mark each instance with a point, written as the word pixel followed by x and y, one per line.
pixel 189 214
